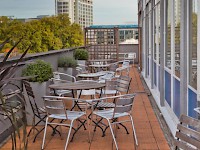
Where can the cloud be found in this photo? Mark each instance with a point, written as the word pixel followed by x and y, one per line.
pixel 115 11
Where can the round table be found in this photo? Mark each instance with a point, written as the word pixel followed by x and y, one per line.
pixel 92 75
pixel 81 85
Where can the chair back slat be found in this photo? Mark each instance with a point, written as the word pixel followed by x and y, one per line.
pixel 111 85
pixel 54 106
pixel 28 89
pixel 123 84
pixel 113 67
pixel 190 121
pixel 124 104
pixel 31 97
pixel 188 134
pixel 122 109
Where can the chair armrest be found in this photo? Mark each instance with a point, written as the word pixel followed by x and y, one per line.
pixel 74 78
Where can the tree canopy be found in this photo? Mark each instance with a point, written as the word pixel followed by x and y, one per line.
pixel 49 33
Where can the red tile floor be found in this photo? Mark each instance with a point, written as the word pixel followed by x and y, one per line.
pixel 149 133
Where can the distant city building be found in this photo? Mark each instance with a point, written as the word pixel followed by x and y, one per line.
pixel 31 19
pixel 127 33
pixel 79 11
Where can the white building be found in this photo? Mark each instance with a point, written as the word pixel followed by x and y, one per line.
pixel 79 11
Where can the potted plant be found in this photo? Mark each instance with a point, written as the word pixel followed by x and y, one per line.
pixel 12 114
pixel 81 55
pixel 67 65
pixel 41 72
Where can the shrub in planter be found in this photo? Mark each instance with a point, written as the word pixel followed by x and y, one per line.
pixel 67 62
pixel 67 65
pixel 81 54
pixel 41 70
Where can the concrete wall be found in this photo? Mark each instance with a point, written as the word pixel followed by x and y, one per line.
pixel 51 57
pixel 130 48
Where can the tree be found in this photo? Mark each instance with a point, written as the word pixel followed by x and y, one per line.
pixel 49 33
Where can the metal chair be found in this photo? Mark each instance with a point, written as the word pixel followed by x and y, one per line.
pixel 38 112
pixel 124 68
pixel 56 109
pixel 108 76
pixel 90 92
pixel 82 68
pixel 114 66
pixel 114 87
pixel 123 108
pixel 59 77
pixel 188 134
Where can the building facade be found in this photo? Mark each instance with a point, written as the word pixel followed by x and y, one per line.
pixel 79 11
pixel 170 59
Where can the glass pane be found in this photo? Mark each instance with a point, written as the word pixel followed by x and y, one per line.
pixel 159 32
pixel 155 30
pixel 168 51
pixel 177 37
pixel 193 48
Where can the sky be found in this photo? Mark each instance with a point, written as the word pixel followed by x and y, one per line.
pixel 105 11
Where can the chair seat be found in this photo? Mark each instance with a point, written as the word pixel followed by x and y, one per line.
pixel 106 92
pixel 72 115
pixel 108 114
pixel 42 110
pixel 105 105
pixel 62 92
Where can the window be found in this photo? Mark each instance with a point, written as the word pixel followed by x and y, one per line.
pixel 168 51
pixel 193 47
pixel 177 37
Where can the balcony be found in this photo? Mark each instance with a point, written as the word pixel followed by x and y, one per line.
pixel 148 128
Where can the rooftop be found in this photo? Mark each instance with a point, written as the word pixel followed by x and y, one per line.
pixel 148 129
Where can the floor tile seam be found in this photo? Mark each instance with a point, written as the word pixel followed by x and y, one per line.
pixel 150 123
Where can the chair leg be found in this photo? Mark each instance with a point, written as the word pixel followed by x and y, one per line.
pixel 133 130
pixel 112 134
pixel 70 129
pixel 45 130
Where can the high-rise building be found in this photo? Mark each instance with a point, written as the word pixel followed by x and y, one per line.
pixel 79 11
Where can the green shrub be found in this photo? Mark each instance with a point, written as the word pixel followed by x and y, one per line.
pixel 81 54
pixel 40 69
pixel 67 62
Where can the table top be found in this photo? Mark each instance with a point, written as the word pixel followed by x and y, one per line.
pixel 99 65
pixel 82 85
pixel 99 60
pixel 92 75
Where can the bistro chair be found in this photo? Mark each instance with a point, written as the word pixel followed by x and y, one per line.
pixel 123 108
pixel 113 87
pixel 56 109
pixel 108 76
pixel 124 68
pixel 187 134
pixel 59 77
pixel 38 112
pixel 113 66
pixel 90 92
pixel 81 68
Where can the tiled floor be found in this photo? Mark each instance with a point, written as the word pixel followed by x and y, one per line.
pixel 149 133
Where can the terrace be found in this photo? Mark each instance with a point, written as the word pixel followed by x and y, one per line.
pixel 148 128
pixel 164 73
